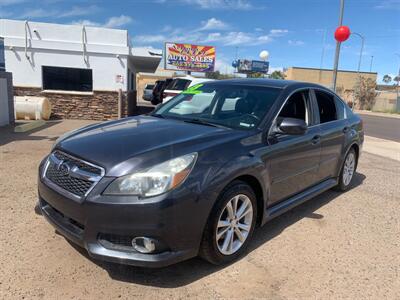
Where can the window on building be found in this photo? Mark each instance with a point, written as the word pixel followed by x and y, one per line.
pixel 2 60
pixel 326 107
pixel 67 79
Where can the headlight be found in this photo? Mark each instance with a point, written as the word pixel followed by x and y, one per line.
pixel 156 180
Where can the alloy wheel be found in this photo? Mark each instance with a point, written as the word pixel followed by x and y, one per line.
pixel 234 224
pixel 348 168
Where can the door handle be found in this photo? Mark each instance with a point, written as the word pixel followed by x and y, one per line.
pixel 316 139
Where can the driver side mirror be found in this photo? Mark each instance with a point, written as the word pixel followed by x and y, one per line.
pixel 292 126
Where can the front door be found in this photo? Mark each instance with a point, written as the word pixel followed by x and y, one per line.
pixel 293 159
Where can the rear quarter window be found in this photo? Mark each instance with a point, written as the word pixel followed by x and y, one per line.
pixel 340 109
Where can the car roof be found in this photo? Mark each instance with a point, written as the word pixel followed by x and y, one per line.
pixel 265 82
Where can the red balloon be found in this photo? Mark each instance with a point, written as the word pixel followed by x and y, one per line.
pixel 342 33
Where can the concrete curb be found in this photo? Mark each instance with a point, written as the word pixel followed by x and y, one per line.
pixel 377 114
pixel 385 148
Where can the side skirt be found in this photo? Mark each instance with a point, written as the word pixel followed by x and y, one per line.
pixel 298 199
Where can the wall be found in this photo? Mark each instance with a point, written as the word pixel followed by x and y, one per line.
pixel 100 105
pixel 6 99
pixel 386 102
pixel 346 80
pixel 61 45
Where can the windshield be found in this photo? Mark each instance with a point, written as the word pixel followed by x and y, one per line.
pixel 178 84
pixel 233 106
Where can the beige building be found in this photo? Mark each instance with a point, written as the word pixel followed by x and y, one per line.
pixel 346 80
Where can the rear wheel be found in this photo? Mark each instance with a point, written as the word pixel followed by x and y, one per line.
pixel 230 225
pixel 348 169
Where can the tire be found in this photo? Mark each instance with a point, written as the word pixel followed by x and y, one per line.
pixel 226 250
pixel 344 183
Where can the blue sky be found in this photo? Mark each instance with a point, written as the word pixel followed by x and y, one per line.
pixel 291 30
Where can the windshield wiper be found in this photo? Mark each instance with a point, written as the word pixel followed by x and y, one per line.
pixel 202 122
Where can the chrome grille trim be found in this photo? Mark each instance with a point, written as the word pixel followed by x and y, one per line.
pixel 73 172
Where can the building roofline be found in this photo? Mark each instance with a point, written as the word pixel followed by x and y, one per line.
pixel 330 70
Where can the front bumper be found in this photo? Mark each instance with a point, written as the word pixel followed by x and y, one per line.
pixel 168 218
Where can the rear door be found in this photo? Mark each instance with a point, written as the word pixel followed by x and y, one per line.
pixel 333 127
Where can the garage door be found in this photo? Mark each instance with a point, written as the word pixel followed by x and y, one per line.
pixel 4 116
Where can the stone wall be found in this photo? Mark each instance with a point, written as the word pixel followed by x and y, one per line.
pixel 99 105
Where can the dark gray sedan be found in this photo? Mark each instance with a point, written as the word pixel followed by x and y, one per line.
pixel 199 173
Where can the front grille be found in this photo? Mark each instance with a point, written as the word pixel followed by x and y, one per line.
pixel 78 177
pixel 80 164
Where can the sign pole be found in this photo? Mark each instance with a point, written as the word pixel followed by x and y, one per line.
pixel 337 52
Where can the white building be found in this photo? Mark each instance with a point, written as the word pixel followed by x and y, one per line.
pixel 79 69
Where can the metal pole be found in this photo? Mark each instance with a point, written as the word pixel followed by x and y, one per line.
pixel 322 56
pixel 359 61
pixel 337 52
pixel 370 66
pixel 398 88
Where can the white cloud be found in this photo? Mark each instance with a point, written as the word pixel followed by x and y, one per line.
pixel 54 13
pixel 38 13
pixel 389 4
pixel 118 21
pixel 85 23
pixel 295 43
pixel 77 11
pixel 143 39
pixel 223 66
pixel 220 4
pixel 213 24
pixel 112 22
pixel 278 32
pixel 11 2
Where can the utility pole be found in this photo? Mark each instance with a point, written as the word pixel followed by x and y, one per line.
pixel 337 52
pixel 322 56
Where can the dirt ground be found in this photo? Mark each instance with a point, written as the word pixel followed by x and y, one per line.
pixel 336 246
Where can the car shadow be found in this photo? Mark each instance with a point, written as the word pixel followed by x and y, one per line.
pixel 186 272
pixel 7 134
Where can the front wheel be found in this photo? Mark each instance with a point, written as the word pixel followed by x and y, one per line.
pixel 347 172
pixel 230 225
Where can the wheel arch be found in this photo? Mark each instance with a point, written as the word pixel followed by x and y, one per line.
pixel 256 186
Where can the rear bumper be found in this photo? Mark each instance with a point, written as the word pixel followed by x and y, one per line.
pixel 164 219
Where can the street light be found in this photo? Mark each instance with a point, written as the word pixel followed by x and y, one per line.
pixel 361 51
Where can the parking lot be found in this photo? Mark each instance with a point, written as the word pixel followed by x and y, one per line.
pixel 335 246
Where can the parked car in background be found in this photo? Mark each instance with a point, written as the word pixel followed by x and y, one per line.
pixel 179 84
pixel 158 90
pixel 196 176
pixel 148 92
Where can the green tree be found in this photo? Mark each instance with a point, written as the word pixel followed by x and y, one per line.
pixel 277 75
pixel 213 75
pixel 365 93
pixel 396 79
pixel 386 79
pixel 255 75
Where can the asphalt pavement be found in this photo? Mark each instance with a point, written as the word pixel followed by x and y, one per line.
pixel 387 128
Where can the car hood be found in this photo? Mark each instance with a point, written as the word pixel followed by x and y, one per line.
pixel 134 143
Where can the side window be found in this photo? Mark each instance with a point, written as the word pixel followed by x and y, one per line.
pixel 341 111
pixel 326 107
pixel 297 107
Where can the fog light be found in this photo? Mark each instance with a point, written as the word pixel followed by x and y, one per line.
pixel 144 244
